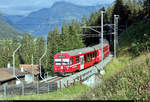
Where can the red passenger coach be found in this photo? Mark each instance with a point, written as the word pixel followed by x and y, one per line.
pixel 65 63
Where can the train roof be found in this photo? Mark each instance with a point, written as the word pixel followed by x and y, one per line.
pixel 85 50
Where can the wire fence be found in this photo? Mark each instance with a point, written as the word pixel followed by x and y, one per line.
pixel 26 89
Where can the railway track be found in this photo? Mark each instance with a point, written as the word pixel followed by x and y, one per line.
pixel 55 79
pixel 52 79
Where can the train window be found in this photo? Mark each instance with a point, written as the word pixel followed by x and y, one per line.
pixel 85 58
pixel 71 61
pixel 65 61
pixel 77 59
pixel 91 55
pixel 95 53
pixel 57 61
pixel 88 56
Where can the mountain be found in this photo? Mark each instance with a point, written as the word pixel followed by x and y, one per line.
pixel 7 31
pixel 43 20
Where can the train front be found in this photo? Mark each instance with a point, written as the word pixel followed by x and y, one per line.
pixel 62 64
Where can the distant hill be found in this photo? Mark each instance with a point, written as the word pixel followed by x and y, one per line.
pixel 7 31
pixel 41 21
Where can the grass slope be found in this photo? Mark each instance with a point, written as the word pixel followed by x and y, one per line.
pixel 131 83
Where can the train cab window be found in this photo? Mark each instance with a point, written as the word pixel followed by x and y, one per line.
pixel 77 59
pixel 71 61
pixel 65 61
pixel 57 61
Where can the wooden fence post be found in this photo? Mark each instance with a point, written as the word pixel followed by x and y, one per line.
pixel 80 79
pixel 60 84
pixel 67 84
pixel 74 82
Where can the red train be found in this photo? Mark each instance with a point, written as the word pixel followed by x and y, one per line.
pixel 65 63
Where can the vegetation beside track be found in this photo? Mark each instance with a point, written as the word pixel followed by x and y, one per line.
pixel 63 94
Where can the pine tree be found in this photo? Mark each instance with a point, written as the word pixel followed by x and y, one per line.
pixel 123 11
pixel 147 8
pixel 27 49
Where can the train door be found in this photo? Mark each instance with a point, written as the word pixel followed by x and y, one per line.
pixel 82 64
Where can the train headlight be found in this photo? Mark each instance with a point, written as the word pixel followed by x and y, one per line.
pixel 61 67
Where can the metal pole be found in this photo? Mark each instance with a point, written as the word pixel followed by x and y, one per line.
pixel 32 69
pixel 40 61
pixel 37 88
pixel 22 89
pixel 4 90
pixel 114 37
pixel 102 31
pixel 115 34
pixel 48 87
pixel 14 59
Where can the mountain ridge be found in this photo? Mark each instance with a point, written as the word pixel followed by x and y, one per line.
pixel 42 21
pixel 7 31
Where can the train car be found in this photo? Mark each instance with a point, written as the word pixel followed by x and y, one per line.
pixel 68 62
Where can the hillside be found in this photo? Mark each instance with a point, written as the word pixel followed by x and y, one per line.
pixel 126 78
pixel 136 39
pixel 41 21
pixel 7 31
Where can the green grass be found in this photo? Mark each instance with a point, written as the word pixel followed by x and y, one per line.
pixel 116 66
pixel 63 94
pixel 132 83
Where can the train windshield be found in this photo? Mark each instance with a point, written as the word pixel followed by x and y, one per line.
pixel 57 61
pixel 65 61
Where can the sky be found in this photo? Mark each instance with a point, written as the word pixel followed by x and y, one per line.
pixel 24 7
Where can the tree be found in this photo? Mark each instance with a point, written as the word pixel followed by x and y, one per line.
pixel 54 47
pixel 27 49
pixel 123 11
pixel 147 8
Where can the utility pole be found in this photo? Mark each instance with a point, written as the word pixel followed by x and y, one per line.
pixel 116 17
pixel 41 59
pixel 102 30
pixel 14 60
pixel 101 34
pixel 148 8
pixel 32 68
